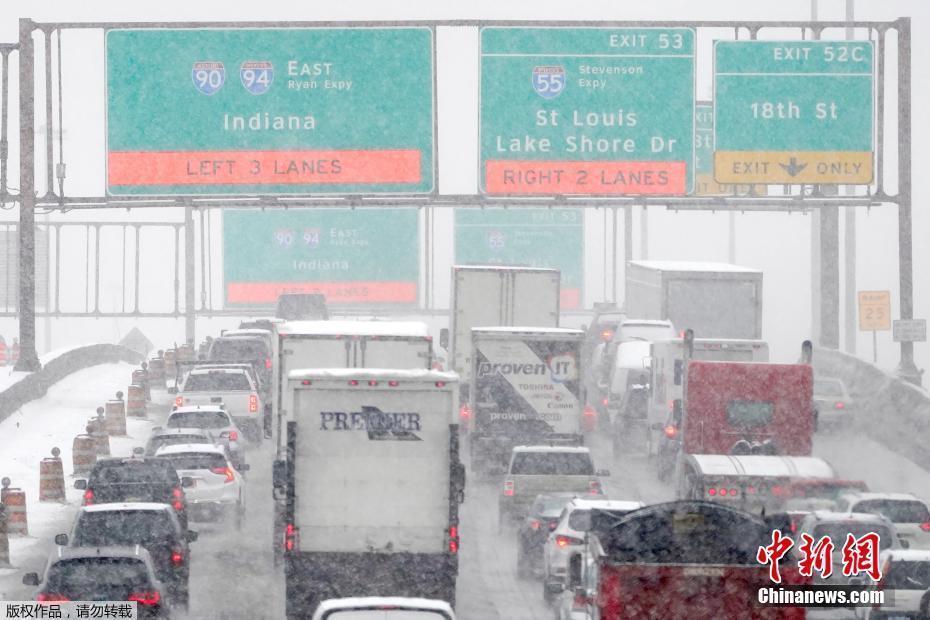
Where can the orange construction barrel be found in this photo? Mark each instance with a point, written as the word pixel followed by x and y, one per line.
pixel 96 428
pixel 52 479
pixel 15 501
pixel 83 454
pixel 115 416
pixel 157 372
pixel 135 401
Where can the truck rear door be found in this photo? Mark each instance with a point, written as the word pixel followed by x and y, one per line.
pixel 477 302
pixel 534 299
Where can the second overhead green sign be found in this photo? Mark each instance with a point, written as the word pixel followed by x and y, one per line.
pixel 603 111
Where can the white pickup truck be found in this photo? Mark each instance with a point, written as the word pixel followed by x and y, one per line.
pixel 234 388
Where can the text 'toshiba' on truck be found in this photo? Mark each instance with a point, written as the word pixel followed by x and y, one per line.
pixel 373 483
pixel 527 388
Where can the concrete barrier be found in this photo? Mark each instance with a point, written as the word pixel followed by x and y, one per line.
pixel 35 385
pixel 892 411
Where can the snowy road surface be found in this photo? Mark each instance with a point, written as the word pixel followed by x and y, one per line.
pixel 232 573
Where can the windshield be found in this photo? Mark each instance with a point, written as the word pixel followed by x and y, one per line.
pixel 907 575
pixel 828 387
pixel 838 532
pixel 172 440
pixel 195 460
pixel 898 511
pixel 217 381
pixel 385 614
pixel 198 419
pixel 134 473
pixel 549 505
pixel 93 573
pixel 552 463
pixel 239 349
pixel 121 527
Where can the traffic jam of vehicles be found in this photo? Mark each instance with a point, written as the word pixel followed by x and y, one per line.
pixel 377 445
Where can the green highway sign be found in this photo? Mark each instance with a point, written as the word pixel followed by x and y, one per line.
pixel 270 111
pixel 704 183
pixel 358 256
pixel 790 112
pixel 552 238
pixel 601 111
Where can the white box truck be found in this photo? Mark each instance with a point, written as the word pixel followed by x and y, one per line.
pixel 527 388
pixel 336 344
pixel 374 484
pixel 716 300
pixel 491 295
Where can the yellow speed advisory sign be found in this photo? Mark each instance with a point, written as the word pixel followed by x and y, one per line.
pixel 789 168
pixel 874 311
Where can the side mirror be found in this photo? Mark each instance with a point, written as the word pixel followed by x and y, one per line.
pixel 574 571
pixel 444 337
pixel 187 482
pixel 80 483
pixel 61 540
pixel 190 535
pixel 31 579
pixel 279 474
pixel 138 451
pixel 679 371
pixel 173 389
pixel 603 473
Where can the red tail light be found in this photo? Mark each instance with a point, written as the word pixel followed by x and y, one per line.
pixel 567 541
pixel 306 382
pixel 224 471
pixel 290 537
pixel 177 558
pixel 230 435
pixel 253 403
pixel 839 405
pixel 88 497
pixel 177 499
pixel 605 402
pixel 353 382
pixel 393 383
pixel 925 526
pixel 590 418
pixel 508 487
pixel 671 431
pixel 595 487
pixel 48 597
pixel 590 411
pixel 178 401
pixel 372 383
pixel 146 597
pixel 534 524
pixel 607 335
pixel 712 492
pixel 440 384
pixel 177 493
pixel 268 363
pixel 454 539
pixel 464 412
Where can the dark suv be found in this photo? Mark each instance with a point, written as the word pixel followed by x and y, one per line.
pixel 154 526
pixel 135 479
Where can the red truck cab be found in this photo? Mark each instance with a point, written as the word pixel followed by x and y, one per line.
pixel 748 408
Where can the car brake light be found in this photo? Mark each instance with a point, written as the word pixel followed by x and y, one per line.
pixel 607 335
pixel 595 487
pixel 47 597
pixel 440 384
pixel 178 401
pixel 605 401
pixel 508 487
pixel 590 411
pixel 306 382
pixel 253 403
pixel 453 539
pixel 177 558
pixel 671 431
pixel 534 524
pixel 353 382
pixel 224 471
pixel 711 492
pixel 778 491
pixel 393 383
pixel 177 505
pixel 733 492
pixel 464 412
pixel 230 435
pixel 372 383
pixel 925 526
pixel 290 537
pixel 177 493
pixel 566 541
pixel 839 405
pixel 268 363
pixel 88 497
pixel 147 597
